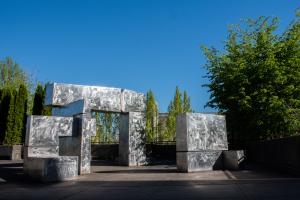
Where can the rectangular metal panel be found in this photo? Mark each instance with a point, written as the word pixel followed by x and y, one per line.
pixel 198 131
pixel 45 130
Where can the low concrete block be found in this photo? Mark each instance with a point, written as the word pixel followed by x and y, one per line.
pixel 13 152
pixel 233 159
pixel 199 160
pixel 198 131
pixel 60 168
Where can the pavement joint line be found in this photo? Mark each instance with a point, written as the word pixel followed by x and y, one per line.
pixel 236 182
pixel 230 175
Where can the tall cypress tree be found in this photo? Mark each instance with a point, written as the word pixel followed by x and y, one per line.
pixel 13 101
pixel 175 108
pixel 151 117
pixel 170 123
pixel 47 110
pixel 20 114
pixel 186 103
pixel 4 108
pixel 39 107
pixel 177 101
pixel 10 131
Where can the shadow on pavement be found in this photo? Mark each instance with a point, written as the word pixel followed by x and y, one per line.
pixel 239 185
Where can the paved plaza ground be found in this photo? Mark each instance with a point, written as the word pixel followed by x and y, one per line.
pixel 151 182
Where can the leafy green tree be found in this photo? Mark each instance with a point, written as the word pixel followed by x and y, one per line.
pixel 186 103
pixel 107 127
pixel 47 109
pixel 151 117
pixel 16 116
pixel 11 75
pixel 255 81
pixel 175 108
pixel 177 101
pixel 14 98
pixel 38 104
pixel 39 107
pixel 170 130
pixel 5 99
pixel 162 126
pixel 10 135
pixel 20 114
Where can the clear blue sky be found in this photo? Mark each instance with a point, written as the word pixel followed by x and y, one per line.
pixel 138 45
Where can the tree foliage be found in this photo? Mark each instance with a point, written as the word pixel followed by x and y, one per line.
pixel 5 101
pixel 13 102
pixel 20 115
pixel 107 127
pixel 255 80
pixel 9 134
pixel 39 107
pixel 151 117
pixel 15 122
pixel 11 75
pixel 176 107
pixel 186 103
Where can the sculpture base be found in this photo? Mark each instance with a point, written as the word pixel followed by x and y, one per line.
pixel 52 169
pixel 195 161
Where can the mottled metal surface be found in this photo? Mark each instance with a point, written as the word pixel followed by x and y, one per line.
pixel 87 128
pixel 199 160
pixel 133 101
pixel 132 147
pixel 52 169
pixel 181 133
pixel 45 130
pixel 41 151
pixel 107 99
pixel 197 131
pixel 98 98
pixel 233 159
pixel 75 103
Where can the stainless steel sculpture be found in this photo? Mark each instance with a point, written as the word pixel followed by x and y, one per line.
pixel 200 140
pixel 72 107
pixel 41 154
pixel 58 147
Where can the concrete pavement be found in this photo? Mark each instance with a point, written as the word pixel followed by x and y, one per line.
pixel 151 182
